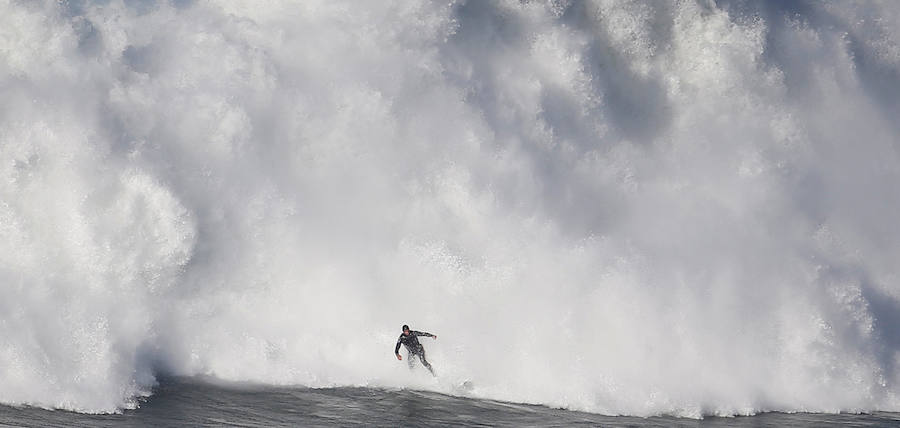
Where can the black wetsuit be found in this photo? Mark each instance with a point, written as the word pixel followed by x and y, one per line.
pixel 414 347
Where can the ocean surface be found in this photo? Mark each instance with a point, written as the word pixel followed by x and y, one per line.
pixel 193 402
pixel 686 209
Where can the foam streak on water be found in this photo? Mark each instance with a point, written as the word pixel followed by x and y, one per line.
pixel 622 207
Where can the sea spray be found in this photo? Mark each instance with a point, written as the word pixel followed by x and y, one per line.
pixel 636 208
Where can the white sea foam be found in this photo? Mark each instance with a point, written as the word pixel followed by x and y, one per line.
pixel 638 208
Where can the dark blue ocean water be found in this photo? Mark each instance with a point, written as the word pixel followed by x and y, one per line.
pixel 192 402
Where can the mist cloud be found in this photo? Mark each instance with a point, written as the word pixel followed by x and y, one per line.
pixel 621 207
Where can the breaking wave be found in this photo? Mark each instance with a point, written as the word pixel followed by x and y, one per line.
pixel 623 207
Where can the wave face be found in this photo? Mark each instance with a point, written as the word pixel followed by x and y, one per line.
pixel 623 207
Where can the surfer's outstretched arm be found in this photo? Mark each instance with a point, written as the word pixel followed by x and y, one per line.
pixel 397 349
pixel 424 333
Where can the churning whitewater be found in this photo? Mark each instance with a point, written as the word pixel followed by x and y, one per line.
pixel 623 207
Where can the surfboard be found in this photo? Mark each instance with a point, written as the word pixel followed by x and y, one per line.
pixel 466 386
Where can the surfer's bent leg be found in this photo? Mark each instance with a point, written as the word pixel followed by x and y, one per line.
pixel 425 362
pixel 410 360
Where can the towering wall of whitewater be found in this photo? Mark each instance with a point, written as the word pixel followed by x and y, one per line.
pixel 619 206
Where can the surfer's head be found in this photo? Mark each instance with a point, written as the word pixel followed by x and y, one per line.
pixel 406 329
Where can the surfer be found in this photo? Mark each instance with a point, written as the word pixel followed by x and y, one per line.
pixel 410 341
